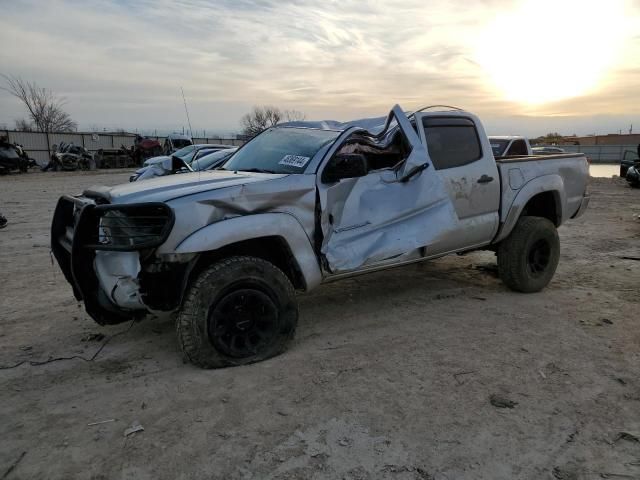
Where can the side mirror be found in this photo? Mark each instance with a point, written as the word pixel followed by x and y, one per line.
pixel 345 165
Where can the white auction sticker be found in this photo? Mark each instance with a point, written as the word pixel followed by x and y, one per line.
pixel 294 160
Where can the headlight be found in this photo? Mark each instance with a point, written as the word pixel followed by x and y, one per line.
pixel 132 227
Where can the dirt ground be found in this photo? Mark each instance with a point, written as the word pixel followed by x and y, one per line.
pixel 390 375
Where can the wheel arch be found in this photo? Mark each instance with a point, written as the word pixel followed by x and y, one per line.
pixel 542 197
pixel 276 237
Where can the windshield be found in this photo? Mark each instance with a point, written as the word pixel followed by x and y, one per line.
pixel 498 146
pixel 183 152
pixel 212 160
pixel 281 150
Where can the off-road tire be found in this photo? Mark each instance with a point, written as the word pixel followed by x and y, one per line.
pixel 528 257
pixel 216 287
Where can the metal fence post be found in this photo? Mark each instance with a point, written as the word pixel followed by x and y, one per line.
pixel 48 145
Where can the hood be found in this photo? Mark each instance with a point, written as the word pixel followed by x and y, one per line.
pixel 154 160
pixel 163 189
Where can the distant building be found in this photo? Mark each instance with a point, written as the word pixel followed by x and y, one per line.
pixel 610 139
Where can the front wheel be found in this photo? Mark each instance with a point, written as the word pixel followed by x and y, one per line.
pixel 240 310
pixel 528 257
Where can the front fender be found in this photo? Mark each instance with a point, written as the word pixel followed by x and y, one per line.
pixel 546 183
pixel 226 232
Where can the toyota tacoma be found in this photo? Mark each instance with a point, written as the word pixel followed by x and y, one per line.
pixel 225 251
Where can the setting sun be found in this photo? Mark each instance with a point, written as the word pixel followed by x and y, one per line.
pixel 545 50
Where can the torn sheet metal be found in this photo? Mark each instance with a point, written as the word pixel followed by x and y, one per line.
pixel 117 273
pixel 376 218
pixel 373 218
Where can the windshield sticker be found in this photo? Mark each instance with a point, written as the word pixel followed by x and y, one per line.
pixel 294 160
pixel 495 145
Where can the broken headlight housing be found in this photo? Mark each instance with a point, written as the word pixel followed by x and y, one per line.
pixel 132 227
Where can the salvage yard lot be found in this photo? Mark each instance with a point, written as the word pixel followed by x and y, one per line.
pixel 390 375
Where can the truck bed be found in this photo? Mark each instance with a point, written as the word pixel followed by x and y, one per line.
pixel 526 158
pixel 524 177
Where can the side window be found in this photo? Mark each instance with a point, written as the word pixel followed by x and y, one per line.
pixel 518 147
pixel 451 141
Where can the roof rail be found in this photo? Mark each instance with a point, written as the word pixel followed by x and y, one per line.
pixel 437 106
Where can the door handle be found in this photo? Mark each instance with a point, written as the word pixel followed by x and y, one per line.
pixel 485 179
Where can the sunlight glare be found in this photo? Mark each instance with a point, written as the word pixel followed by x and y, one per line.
pixel 545 50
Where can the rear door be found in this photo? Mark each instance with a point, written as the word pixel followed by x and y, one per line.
pixel 469 171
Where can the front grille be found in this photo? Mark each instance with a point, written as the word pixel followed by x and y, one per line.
pixel 125 227
pixel 136 227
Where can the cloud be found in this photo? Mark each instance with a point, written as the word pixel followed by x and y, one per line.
pixel 122 63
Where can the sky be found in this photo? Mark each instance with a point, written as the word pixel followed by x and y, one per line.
pixel 525 67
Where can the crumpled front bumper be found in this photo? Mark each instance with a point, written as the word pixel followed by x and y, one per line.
pixel 71 230
pixel 106 281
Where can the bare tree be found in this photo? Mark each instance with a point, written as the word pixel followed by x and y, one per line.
pixel 294 116
pixel 261 118
pixel 44 107
pixel 24 125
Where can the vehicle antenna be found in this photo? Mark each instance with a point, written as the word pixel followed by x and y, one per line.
pixel 186 110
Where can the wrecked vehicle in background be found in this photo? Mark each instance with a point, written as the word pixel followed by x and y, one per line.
pixel 174 164
pixel 69 157
pixel 11 160
pixel 144 148
pixel 629 159
pixel 225 250
pixel 633 175
pixel 175 141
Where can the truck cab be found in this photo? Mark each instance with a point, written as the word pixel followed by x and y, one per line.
pixel 510 146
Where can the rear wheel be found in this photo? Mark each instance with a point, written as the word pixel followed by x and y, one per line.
pixel 528 258
pixel 240 310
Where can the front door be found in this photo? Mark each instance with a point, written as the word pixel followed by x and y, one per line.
pixel 388 215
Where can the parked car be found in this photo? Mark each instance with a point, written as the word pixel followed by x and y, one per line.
pixel 295 207
pixel 188 153
pixel 509 145
pixel 629 158
pixel 165 164
pixel 170 165
pixel 212 160
pixel 174 142
pixel 547 150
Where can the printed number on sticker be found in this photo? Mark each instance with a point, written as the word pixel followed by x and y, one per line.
pixel 294 160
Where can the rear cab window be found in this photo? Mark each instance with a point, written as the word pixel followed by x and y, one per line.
pixel 451 141
pixel 498 146
pixel 518 147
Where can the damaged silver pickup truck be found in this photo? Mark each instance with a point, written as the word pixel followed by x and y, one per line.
pixel 226 250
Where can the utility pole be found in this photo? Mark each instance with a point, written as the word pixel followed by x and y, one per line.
pixel 186 110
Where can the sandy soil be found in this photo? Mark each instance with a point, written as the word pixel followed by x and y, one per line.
pixel 390 375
